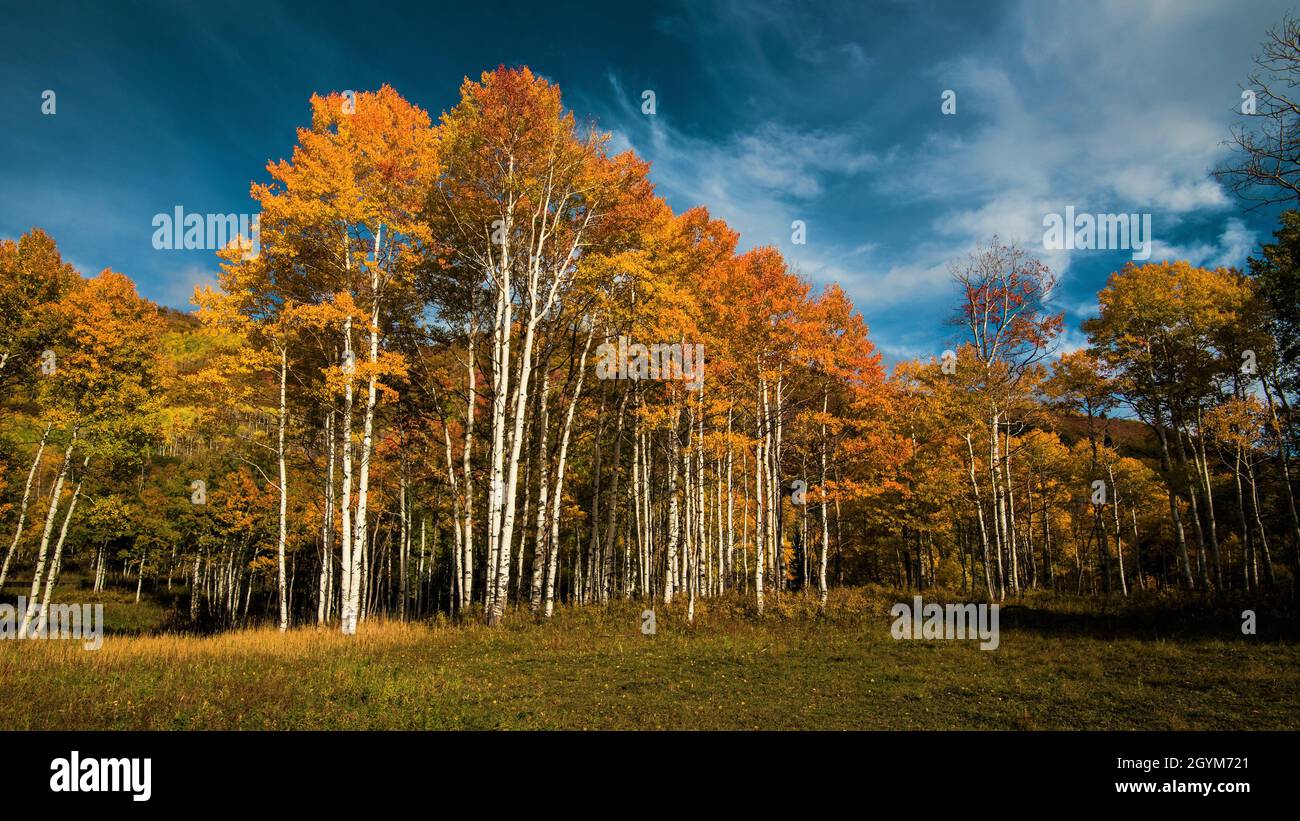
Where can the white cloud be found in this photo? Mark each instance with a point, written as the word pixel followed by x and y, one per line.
pixel 1070 340
pixel 1230 250
pixel 759 181
pixel 1163 190
pixel 177 289
pixel 786 161
pixel 1111 117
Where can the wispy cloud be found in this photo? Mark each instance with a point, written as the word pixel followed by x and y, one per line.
pixel 1229 249
pixel 1119 108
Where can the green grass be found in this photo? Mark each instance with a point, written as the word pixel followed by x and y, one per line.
pixel 1062 664
pixel 122 614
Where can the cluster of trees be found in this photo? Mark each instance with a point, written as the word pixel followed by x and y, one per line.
pixel 395 408
pixel 1158 454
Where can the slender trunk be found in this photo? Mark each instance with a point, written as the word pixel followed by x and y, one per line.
pixel 560 464
pixel 361 520
pixel 1247 579
pixel 670 574
pixel 39 573
pixel 502 332
pixel 1009 494
pixel 57 563
pixel 1193 495
pixel 194 583
pixel 1198 456
pixel 979 510
pixel 1267 557
pixel 543 471
pixel 826 531
pixel 467 560
pixel 351 581
pixel 760 522
pixel 1119 542
pixel 607 568
pixel 22 507
pixel 1180 539
pixel 327 525
pixel 403 541
pixel 284 492
pixel 1137 549
pixel 1284 460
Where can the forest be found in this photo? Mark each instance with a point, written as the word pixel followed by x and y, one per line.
pixel 400 404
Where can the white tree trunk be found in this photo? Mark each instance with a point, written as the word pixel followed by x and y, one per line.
pixel 539 542
pixel 826 531
pixel 22 507
pixel 560 464
pixel 670 573
pixel 471 405
pixel 349 586
pixel 57 563
pixel 39 573
pixel 327 526
pixel 284 492
pixel 760 519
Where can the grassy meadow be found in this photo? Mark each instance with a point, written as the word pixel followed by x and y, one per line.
pixel 1063 663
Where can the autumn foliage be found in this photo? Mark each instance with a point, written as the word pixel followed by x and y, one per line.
pixel 394 408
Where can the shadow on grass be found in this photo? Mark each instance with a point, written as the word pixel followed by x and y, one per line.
pixel 1157 618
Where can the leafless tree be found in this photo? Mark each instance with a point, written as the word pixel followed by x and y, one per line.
pixel 1265 165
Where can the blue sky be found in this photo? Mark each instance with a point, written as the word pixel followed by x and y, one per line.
pixel 767 112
